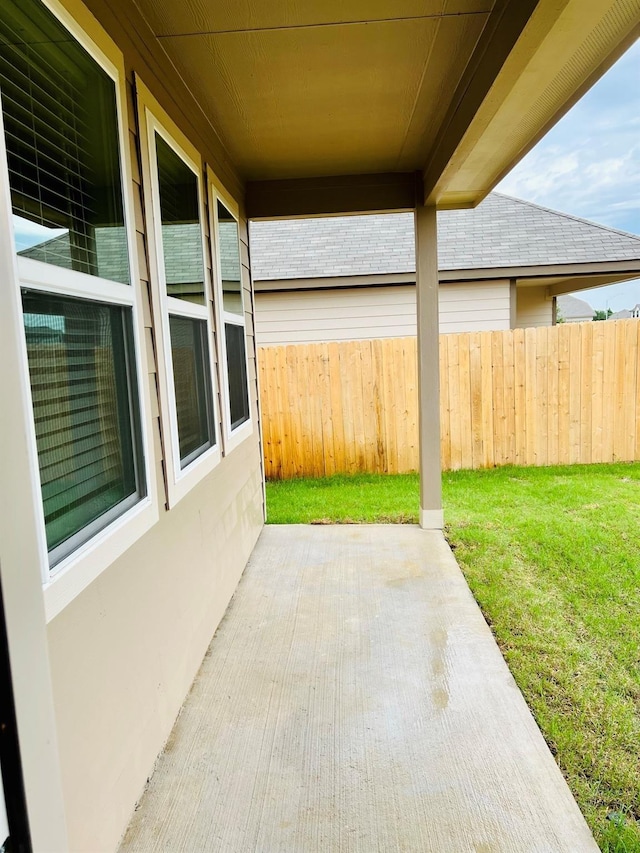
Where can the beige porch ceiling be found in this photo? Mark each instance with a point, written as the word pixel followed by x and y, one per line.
pixel 457 90
pixel 322 88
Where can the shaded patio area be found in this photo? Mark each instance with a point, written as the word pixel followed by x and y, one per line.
pixel 354 699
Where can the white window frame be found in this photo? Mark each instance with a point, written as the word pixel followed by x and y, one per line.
pixel 232 437
pixel 153 119
pixel 67 579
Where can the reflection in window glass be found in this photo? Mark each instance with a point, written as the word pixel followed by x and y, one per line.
pixel 229 261
pixel 181 231
pixel 61 131
pixel 87 427
pixel 192 380
pixel 237 369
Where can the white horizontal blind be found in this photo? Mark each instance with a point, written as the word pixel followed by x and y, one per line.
pixel 61 135
pixel 80 388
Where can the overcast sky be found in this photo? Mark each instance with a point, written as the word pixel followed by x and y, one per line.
pixel 589 165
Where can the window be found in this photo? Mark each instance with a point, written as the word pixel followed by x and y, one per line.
pixel 182 303
pixel 62 137
pixel 192 381
pixel 86 421
pixel 61 133
pixel 238 413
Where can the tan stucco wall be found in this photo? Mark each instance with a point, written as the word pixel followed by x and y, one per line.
pixel 533 307
pixel 365 313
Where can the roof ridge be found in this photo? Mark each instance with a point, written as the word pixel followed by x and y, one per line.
pixel 568 215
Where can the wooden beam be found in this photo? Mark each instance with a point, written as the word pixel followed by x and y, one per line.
pixel 330 196
pixel 504 27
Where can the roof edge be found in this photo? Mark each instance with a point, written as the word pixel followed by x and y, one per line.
pixel 567 215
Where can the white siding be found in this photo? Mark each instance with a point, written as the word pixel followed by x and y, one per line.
pixel 533 308
pixel 364 313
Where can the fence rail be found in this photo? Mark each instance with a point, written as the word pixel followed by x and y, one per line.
pixel 542 396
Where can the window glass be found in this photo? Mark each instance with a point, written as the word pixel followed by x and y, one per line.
pixel 192 381
pixel 181 230
pixel 60 119
pixel 86 421
pixel 237 369
pixel 231 271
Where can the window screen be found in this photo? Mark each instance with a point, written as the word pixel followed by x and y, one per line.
pixel 237 370
pixel 181 230
pixel 87 426
pixel 192 381
pixel 59 110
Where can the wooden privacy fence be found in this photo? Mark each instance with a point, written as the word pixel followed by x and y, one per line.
pixel 542 396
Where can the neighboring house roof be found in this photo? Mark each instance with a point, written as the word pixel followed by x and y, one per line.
pixel 502 232
pixel 573 309
pixel 182 252
pixel 626 313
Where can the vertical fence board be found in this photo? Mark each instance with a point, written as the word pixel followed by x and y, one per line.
pixel 335 399
pixel 608 401
pixel 454 401
pixel 508 389
pixel 466 455
pixel 486 401
pixel 564 370
pixel 597 390
pixel 520 396
pixel 553 395
pixel 630 382
pixel 636 397
pixel 411 384
pixel 541 397
pixel 574 392
pixel 586 392
pixel 400 393
pixel 530 339
pixel 445 410
pixel 475 381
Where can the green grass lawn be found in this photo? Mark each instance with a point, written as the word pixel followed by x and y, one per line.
pixel 553 558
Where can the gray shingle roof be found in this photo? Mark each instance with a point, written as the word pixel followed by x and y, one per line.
pixel 572 308
pixel 182 246
pixel 501 232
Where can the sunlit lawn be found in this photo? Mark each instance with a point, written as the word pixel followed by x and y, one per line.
pixel 552 556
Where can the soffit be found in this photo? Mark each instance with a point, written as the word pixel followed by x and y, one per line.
pixel 321 88
pixel 563 50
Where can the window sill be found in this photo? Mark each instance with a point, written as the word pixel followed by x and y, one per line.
pixel 184 479
pixel 238 436
pixel 74 574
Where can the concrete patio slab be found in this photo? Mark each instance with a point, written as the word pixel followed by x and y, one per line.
pixel 354 699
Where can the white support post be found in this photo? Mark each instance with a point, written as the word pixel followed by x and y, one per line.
pixel 431 515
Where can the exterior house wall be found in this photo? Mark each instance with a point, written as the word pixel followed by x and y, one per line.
pixel 366 313
pixel 475 307
pixel 533 308
pixel 124 652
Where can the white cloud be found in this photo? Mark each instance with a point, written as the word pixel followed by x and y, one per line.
pixel 589 164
